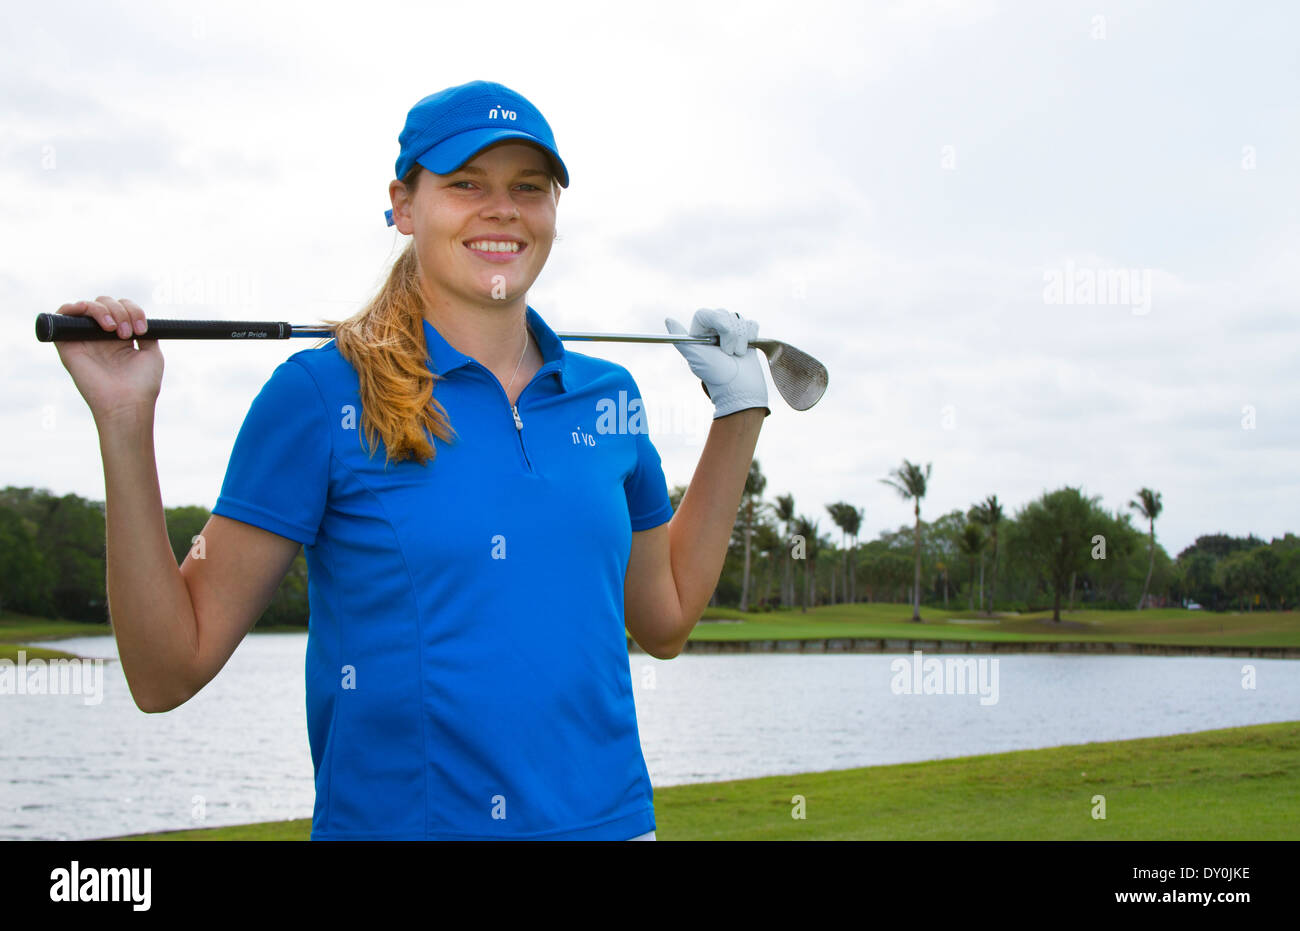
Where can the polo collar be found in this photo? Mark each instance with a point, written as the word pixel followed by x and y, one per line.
pixel 443 358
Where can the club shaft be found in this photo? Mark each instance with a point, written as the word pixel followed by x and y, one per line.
pixel 51 327
pixel 800 379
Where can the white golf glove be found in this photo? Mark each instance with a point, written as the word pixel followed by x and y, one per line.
pixel 730 372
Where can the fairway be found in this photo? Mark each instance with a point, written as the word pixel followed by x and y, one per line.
pixel 1166 626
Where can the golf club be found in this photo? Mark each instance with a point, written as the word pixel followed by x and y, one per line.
pixel 800 379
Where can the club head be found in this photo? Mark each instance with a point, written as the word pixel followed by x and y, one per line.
pixel 800 378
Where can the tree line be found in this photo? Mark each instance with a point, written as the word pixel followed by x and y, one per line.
pixel 1061 550
pixel 52 561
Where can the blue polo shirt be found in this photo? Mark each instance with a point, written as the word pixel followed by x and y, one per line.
pixel 467 668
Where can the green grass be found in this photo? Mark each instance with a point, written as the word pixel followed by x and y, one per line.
pixel 1168 626
pixel 1241 783
pixel 271 830
pixel 17 629
pixel 22 628
pixel 9 651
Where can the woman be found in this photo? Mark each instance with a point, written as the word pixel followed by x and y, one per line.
pixel 467 671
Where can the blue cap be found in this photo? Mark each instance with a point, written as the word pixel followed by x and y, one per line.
pixel 445 130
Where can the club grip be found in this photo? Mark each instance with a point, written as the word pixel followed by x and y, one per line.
pixel 51 327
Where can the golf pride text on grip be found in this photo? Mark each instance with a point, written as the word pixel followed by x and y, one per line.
pixel 51 327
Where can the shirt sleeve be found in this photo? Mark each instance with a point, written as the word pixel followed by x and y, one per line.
pixel 648 503
pixel 278 476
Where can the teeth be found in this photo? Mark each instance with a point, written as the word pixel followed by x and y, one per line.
pixel 487 245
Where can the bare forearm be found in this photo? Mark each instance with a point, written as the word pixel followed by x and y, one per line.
pixel 149 603
pixel 701 529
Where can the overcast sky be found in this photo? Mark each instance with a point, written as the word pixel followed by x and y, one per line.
pixel 918 194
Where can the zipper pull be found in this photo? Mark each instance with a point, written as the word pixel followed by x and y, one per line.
pixel 514 409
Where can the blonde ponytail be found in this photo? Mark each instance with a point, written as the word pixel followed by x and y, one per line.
pixel 385 343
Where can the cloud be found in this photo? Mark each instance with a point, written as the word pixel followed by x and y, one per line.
pixel 789 168
pixel 731 239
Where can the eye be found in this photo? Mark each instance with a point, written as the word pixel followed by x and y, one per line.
pixel 459 183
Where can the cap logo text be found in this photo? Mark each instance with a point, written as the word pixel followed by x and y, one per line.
pixel 502 113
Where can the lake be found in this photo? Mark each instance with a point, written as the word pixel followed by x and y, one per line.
pixel 237 752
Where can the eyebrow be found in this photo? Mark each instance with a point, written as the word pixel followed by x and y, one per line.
pixel 526 173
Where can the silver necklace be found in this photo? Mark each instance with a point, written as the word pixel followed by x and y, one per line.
pixel 521 360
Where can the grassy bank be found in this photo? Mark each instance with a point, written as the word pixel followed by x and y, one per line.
pixel 23 628
pixel 17 630
pixel 1167 626
pixel 9 651
pixel 1240 783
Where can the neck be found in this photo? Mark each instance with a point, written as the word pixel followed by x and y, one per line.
pixel 492 335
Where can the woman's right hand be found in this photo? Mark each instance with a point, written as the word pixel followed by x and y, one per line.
pixel 113 376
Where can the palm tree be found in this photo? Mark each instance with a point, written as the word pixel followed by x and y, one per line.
pixel 910 481
pixel 1150 508
pixel 812 548
pixel 853 520
pixel 755 482
pixel 784 511
pixel 978 515
pixel 971 544
pixel 840 512
pixel 989 514
pixel 817 544
pixel 767 544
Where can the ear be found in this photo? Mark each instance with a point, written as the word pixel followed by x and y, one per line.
pixel 401 198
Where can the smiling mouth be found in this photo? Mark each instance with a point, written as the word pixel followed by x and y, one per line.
pixel 495 247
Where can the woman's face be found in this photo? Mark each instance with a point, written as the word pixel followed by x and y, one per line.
pixel 504 192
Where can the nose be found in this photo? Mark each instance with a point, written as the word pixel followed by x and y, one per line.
pixel 502 205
